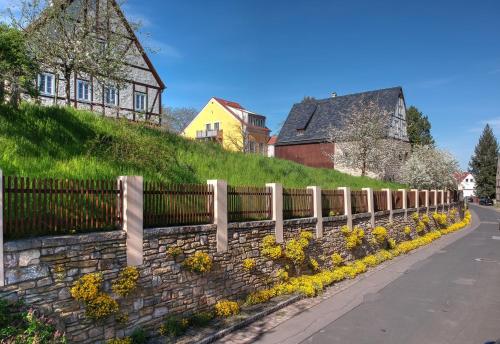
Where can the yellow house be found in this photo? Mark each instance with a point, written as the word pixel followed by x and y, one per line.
pixel 231 125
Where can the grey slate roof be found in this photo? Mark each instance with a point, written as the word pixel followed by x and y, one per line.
pixel 308 122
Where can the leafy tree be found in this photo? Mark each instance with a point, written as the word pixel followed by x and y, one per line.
pixel 361 141
pixel 176 119
pixel 483 164
pixel 17 68
pixel 419 127
pixel 429 168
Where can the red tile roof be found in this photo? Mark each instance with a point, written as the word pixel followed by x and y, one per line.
pixel 272 140
pixel 460 176
pixel 229 103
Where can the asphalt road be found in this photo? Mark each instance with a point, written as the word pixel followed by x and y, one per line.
pixel 452 296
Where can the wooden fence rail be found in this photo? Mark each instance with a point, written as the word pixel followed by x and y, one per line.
pixel 247 203
pixel 34 207
pixel 397 199
pixel 380 200
pixel 332 202
pixel 175 205
pixel 297 203
pixel 359 202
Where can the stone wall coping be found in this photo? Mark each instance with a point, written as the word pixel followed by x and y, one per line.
pixel 335 218
pixel 251 224
pixel 303 221
pixel 361 215
pixel 423 208
pixel 412 209
pixel 63 240
pixel 382 213
pixel 398 211
pixel 150 233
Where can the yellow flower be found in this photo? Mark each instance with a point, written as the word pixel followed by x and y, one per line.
pixel 199 262
pixel 337 259
pixel 127 281
pixel 226 308
pixel 249 264
pixel 380 234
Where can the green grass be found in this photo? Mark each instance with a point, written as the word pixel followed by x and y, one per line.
pixel 62 143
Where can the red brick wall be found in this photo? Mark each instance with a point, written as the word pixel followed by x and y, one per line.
pixel 312 154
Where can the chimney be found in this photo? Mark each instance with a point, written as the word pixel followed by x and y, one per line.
pixel 334 94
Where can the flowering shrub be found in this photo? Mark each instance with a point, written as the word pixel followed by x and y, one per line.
pixel 440 219
pixel 311 285
pixel 174 326
pixel 425 219
pixel 294 251
pixel 199 262
pixel 415 217
pixel 337 259
pixel 282 275
pixel 226 308
pixel 87 287
pixel 420 227
pixel 20 325
pixel 249 264
pixel 407 230
pixel 101 307
pixel 126 340
pixel 313 263
pixel 391 242
pixel 380 234
pixel 126 282
pixel 174 251
pixel 354 238
pixel 345 230
pixel 270 248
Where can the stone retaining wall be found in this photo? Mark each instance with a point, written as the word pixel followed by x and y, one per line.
pixel 41 271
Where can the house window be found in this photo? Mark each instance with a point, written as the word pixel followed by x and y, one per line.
pixel 111 96
pixel 252 147
pixel 208 126
pixel 83 88
pixel 46 84
pixel 140 101
pixel 216 126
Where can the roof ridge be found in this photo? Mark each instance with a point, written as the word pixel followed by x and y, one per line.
pixel 359 93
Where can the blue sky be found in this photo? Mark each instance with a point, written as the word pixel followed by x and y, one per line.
pixel 269 54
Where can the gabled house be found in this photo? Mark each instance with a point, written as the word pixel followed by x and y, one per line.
pixel 304 137
pixel 466 183
pixel 140 96
pixel 231 125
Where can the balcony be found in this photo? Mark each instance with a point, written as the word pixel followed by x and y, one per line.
pixel 209 135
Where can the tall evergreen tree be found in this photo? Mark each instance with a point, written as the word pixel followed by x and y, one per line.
pixel 483 164
pixel 419 127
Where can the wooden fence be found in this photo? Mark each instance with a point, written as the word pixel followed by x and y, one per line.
pixel 411 199
pixel 380 200
pixel 440 194
pixel 34 207
pixel 359 202
pixel 431 198
pixel 397 199
pixel 247 203
pixel 332 202
pixel 297 203
pixel 175 205
pixel 421 199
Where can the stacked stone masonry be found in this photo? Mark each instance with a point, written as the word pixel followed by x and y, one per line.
pixel 41 271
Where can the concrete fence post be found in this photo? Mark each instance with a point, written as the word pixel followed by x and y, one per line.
pixel 405 203
pixel 277 190
pixel 416 198
pixel 133 224
pixel 2 271
pixel 427 201
pixel 347 205
pixel 389 202
pixel 371 205
pixel 318 209
pixel 435 202
pixel 220 213
pixel 442 200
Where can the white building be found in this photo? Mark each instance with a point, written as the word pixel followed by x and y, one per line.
pixel 466 183
pixel 140 96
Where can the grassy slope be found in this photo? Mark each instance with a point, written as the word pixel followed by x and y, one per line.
pixel 65 143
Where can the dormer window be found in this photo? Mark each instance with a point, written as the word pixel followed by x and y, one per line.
pixel 300 132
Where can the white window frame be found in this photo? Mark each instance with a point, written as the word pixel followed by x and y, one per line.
pixel 107 89
pixel 143 103
pixel 217 126
pixel 52 83
pixel 84 84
